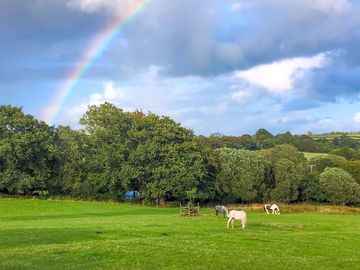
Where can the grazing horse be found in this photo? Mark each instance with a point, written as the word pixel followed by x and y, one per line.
pixel 221 209
pixel 237 215
pixel 273 208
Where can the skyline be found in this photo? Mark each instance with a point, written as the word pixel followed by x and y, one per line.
pixel 228 67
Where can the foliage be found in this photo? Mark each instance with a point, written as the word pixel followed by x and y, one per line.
pixel 26 152
pixel 160 160
pixel 241 175
pixel 287 181
pixel 150 154
pixel 339 187
pixel 352 167
pixel 310 190
pixel 346 152
pixel 263 139
pixel 322 162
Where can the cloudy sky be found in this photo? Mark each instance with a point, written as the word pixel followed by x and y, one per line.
pixel 229 66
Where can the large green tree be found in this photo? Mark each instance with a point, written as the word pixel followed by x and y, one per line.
pixel 339 187
pixel 287 181
pixel 72 148
pixel 352 167
pixel 286 169
pixel 108 129
pixel 166 159
pixel 26 152
pixel 144 152
pixel 241 175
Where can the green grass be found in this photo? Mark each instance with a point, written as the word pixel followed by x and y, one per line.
pixel 309 155
pixel 354 136
pixel 40 234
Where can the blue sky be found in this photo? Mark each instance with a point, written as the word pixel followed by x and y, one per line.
pixel 227 66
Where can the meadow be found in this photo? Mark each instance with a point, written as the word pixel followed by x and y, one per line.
pixel 55 234
pixel 309 155
pixel 330 136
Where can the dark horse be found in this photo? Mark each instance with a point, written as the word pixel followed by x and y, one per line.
pixel 221 209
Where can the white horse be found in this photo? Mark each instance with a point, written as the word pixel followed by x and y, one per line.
pixel 273 208
pixel 237 215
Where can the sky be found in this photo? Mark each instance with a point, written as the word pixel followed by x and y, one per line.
pixel 229 66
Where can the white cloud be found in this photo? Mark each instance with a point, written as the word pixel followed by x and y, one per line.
pixel 356 117
pixel 242 96
pixel 96 99
pixel 176 97
pixel 238 6
pixel 118 7
pixel 113 93
pixel 333 7
pixel 326 123
pixel 279 77
pixel 109 93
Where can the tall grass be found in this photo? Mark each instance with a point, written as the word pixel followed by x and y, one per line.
pixel 300 208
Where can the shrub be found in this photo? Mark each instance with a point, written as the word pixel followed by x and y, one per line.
pixel 339 186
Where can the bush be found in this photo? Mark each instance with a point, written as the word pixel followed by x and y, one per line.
pixel 287 181
pixel 310 190
pixel 339 186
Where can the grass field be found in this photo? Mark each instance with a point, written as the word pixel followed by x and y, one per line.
pixel 354 136
pixel 309 155
pixel 40 234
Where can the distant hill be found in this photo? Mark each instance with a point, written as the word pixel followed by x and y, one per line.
pixel 332 135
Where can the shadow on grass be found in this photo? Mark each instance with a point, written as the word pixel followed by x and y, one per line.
pixel 82 215
pixel 19 238
pixel 29 237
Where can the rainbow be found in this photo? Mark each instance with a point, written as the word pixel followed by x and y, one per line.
pixel 96 47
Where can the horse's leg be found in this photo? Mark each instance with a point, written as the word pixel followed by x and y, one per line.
pixel 232 223
pixel 217 213
pixel 228 223
pixel 242 224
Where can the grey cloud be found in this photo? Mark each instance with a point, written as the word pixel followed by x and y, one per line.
pixel 332 82
pixel 299 104
pixel 205 38
pixel 185 37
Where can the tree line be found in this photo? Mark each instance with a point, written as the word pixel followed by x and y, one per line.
pixel 116 152
pixel 338 144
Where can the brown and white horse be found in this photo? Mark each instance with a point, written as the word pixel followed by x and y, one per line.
pixel 273 208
